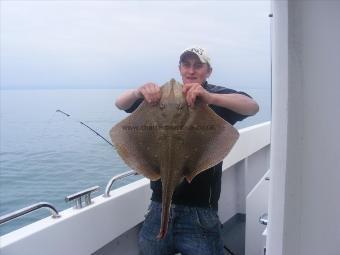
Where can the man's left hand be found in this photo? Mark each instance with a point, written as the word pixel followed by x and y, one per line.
pixel 194 90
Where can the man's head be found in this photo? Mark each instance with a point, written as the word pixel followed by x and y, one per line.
pixel 194 65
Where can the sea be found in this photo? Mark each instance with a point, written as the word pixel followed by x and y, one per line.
pixel 46 155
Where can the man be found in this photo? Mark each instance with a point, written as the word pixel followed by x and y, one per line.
pixel 194 227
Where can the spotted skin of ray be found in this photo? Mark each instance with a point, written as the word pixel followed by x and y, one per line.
pixel 178 146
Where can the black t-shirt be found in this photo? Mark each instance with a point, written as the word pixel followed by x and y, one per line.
pixel 204 190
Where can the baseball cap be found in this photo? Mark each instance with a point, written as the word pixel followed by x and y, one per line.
pixel 200 52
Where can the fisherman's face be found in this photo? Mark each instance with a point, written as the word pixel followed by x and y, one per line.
pixel 193 70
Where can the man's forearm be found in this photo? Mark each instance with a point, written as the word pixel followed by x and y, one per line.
pixel 126 100
pixel 236 102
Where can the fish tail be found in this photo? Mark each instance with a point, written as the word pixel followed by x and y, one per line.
pixel 166 203
pixel 164 226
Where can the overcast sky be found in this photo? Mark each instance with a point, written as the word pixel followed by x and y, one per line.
pixel 113 44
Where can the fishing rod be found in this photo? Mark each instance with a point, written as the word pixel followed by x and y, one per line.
pixel 94 131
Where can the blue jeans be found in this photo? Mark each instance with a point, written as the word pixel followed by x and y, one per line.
pixel 191 231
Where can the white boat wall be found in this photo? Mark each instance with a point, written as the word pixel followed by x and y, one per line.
pixel 304 205
pixel 110 224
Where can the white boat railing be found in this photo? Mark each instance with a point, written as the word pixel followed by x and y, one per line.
pixel 116 178
pixel 11 216
pixel 107 218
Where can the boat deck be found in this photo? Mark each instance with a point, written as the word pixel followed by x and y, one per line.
pixel 233 234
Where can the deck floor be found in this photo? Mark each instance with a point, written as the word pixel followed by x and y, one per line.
pixel 233 234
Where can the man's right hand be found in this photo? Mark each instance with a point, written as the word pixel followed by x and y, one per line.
pixel 150 92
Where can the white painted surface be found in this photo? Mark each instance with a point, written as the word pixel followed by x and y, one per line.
pixel 82 231
pixel 231 183
pixel 255 168
pixel 237 173
pixel 251 139
pixel 256 205
pixel 86 230
pixel 234 179
pixel 278 156
pixel 305 160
